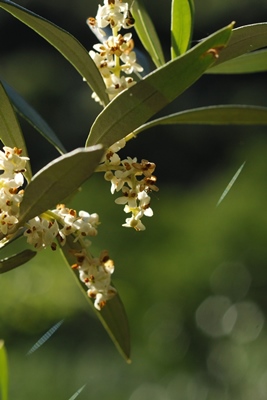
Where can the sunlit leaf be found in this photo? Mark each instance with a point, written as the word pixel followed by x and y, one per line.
pixel 244 40
pixel 113 316
pixel 147 33
pixel 10 132
pixel 137 104
pixel 182 17
pixel 31 115
pixel 9 263
pixel 57 180
pixel 64 42
pixel 213 115
pixel 247 63
pixel 45 337
pixel 76 394
pixel 3 371
pixel 230 184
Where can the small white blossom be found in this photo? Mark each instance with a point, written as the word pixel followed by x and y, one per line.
pixel 41 233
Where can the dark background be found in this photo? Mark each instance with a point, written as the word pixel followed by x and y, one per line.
pixel 179 278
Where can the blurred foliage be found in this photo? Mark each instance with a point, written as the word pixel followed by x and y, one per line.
pixel 192 255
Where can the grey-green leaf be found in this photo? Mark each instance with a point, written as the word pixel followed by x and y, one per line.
pixel 64 42
pixel 247 63
pixel 31 115
pixel 113 316
pixel 213 115
pixel 147 32
pixel 9 263
pixel 10 132
pixel 244 40
pixel 3 371
pixel 137 104
pixel 182 17
pixel 57 180
pixel 230 184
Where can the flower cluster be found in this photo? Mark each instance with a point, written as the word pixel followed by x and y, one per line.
pixel 96 273
pixel 11 180
pixel 115 55
pixel 135 180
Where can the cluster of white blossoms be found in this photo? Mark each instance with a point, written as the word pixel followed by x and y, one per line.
pixel 54 226
pixel 11 181
pixel 135 180
pixel 95 273
pixel 114 57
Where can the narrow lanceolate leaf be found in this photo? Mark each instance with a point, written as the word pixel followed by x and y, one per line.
pixel 57 180
pixel 7 264
pixel 76 394
pixel 64 42
pixel 230 184
pixel 113 316
pixel 31 115
pixel 137 104
pixel 147 33
pixel 213 115
pixel 247 63
pixel 3 372
pixel 244 40
pixel 182 18
pixel 10 132
pixel 45 337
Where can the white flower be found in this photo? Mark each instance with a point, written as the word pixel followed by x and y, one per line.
pixel 118 84
pixel 144 203
pixel 134 222
pixel 41 233
pixel 129 196
pixel 130 64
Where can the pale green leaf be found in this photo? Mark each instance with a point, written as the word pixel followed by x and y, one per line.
pixel 230 184
pixel 3 371
pixel 213 115
pixel 57 180
pixel 9 263
pixel 45 337
pixel 31 115
pixel 247 63
pixel 10 132
pixel 76 394
pixel 113 316
pixel 182 18
pixel 147 33
pixel 244 40
pixel 64 42
pixel 137 104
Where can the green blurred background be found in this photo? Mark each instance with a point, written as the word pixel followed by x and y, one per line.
pixel 194 283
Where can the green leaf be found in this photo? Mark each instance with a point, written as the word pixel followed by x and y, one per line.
pixel 230 184
pixel 10 132
pixel 247 63
pixel 9 263
pixel 47 335
pixel 213 115
pixel 64 42
pixel 57 180
pixel 3 371
pixel 137 104
pixel 30 115
pixel 147 33
pixel 244 40
pixel 76 394
pixel 182 17
pixel 113 316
